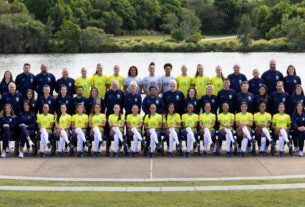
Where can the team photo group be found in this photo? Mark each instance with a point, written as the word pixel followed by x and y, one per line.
pixel 128 115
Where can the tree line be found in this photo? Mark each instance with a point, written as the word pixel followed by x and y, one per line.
pixel 83 25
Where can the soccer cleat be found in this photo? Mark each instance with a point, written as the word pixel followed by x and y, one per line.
pixel 228 154
pixel 42 155
pixel 187 154
pixel 243 154
pixel 204 153
pixel 59 154
pixel 261 153
pixel 281 154
pixel 196 144
pixel 70 145
pixel 49 145
pixel 20 154
pixel 80 154
pixel 31 143
pixel 87 144
pixel 3 154
pixel 114 155
pixel 179 147
pixel 95 154
pixel 169 154
pixel 301 154
pixel 151 154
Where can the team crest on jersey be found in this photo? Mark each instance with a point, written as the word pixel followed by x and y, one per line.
pixel 301 100
pixel 195 102
pixel 118 96
pixel 49 79
pixel 284 99
pixel 157 101
pixel 240 81
pixel 303 119
pixel 32 80
pixel 70 84
pixel 136 99
pixel 49 102
pixel 177 97
pixel 213 100
pixel 17 99
pixel 277 77
pixel 67 102
pixel 295 81
pixel 230 96
pixel 10 120
pixel 249 97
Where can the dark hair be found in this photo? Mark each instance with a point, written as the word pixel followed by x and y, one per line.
pixel 11 79
pixel 151 64
pixel 92 108
pixel 265 87
pixel 25 102
pixel 33 94
pixel 197 73
pixel 59 113
pixel 244 103
pixel 245 83
pixel 149 109
pixel 92 88
pixel 78 87
pixel 120 114
pixel 132 67
pixel 189 91
pixel 262 102
pixel 226 79
pixel 168 65
pixel 26 64
pixel 295 73
pixel 298 103
pixel 98 65
pixel 295 88
pixel 80 104
pixel 170 104
pixel 151 87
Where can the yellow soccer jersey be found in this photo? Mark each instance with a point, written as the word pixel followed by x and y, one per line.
pixel 200 83
pixel 172 120
pixel 190 120
pixel 281 120
pixel 85 83
pixel 263 119
pixel 184 83
pixel 80 121
pixel 207 119
pixel 114 119
pixel 217 83
pixel 97 120
pixel 100 82
pixel 65 121
pixel 246 118
pixel 225 119
pixel 118 78
pixel 153 121
pixel 134 120
pixel 46 121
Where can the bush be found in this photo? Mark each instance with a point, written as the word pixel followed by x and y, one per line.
pixel 194 38
pixel 176 34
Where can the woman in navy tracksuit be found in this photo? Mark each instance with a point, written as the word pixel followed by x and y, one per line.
pixel 26 121
pixel 8 125
pixel 262 96
pixel 7 78
pixel 298 96
pixel 291 80
pixel 30 97
pixel 93 99
pixel 298 125
pixel 191 99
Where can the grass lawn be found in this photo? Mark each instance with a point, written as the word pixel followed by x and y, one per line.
pixel 226 198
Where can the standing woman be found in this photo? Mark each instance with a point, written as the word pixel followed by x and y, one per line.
pixel 134 123
pixel 189 123
pixel 281 124
pixel 7 78
pixel 97 122
pixel 200 81
pixel 291 80
pixel 79 125
pixel 184 81
pixel 26 121
pixel 93 99
pixel 217 81
pixel 63 126
pixel 99 81
pixel 84 82
pixel 262 121
pixel 207 122
pixel 263 96
pixel 30 97
pixel 45 125
pixel 153 125
pixel 298 96
pixel 8 126
pixel 133 77
pixel 244 123
pixel 172 125
pixel 191 99
pixel 116 77
pixel 298 125
pixel 116 125
pixel 152 80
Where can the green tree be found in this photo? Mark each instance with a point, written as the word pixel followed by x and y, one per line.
pixel 91 38
pixel 113 22
pixel 244 30
pixel 40 8
pixel 68 37
pixel 126 12
pixel 148 12
pixel 295 33
pixel 59 13
pixel 189 23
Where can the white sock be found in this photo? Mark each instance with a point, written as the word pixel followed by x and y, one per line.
pixel 118 133
pixel 80 133
pixel 61 143
pixel 228 141
pixel 267 133
pixel 246 132
pixel 244 144
pixel 135 143
pixel 189 141
pixel 97 133
pixel 284 134
pixel 116 142
pixel 153 134
pixel 45 134
pixel 136 133
pixel 80 144
pixel 64 135
pixel 96 142
pixel 152 143
pixel 263 144
pixel 207 134
pixel 42 143
pixel 190 133
pixel 174 134
pixel 282 143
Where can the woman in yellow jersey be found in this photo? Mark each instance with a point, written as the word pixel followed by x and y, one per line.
pixel 226 122
pixel 84 82
pixel 79 125
pixel 244 123
pixel 100 81
pixel 184 81
pixel 116 76
pixel 281 124
pixel 200 81
pixel 189 125
pixel 217 81
pixel 172 125
pixel 207 122
pixel 262 121
pixel 134 123
pixel 153 125
pixel 63 126
pixel 116 125
pixel 97 122
pixel 45 125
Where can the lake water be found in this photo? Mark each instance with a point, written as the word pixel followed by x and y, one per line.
pixel 74 62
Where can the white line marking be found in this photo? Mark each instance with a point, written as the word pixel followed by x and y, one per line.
pixel 157 189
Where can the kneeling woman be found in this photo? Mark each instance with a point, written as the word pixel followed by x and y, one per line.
pixel 116 124
pixel 207 122
pixel 244 123
pixel 281 124
pixel 63 125
pixel 226 122
pixel 262 121
pixel 298 124
pixel 79 125
pixel 189 124
pixel 97 122
pixel 172 124
pixel 26 121
pixel 8 125
pixel 45 125
pixel 134 128
pixel 153 124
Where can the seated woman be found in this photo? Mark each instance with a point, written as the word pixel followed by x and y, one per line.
pixel 45 125
pixel 244 123
pixel 298 124
pixel 116 125
pixel 134 123
pixel 97 122
pixel 8 125
pixel 153 125
pixel 26 121
pixel 281 124
pixel 172 125
pixel 207 122
pixel 79 125
pixel 189 125
pixel 63 126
